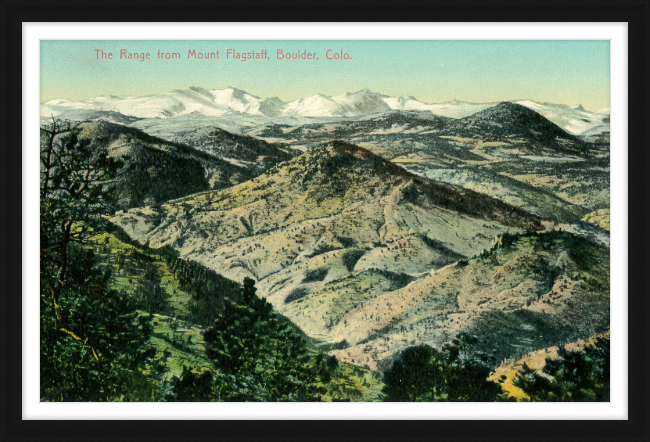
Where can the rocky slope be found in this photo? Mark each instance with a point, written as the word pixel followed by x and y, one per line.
pixel 372 259
pixel 523 295
pixel 323 216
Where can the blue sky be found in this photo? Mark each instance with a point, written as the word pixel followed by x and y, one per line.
pixel 569 72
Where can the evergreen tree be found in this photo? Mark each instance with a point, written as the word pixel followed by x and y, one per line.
pixel 92 341
pixel 574 376
pixel 209 289
pixel 425 374
pixel 412 375
pixel 191 387
pixel 265 352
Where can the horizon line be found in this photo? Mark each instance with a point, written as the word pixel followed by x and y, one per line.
pixel 572 106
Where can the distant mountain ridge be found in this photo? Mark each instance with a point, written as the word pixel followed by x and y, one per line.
pixel 507 121
pixel 237 149
pixel 231 102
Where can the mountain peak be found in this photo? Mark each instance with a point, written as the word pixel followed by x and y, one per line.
pixel 509 105
pixel 239 93
pixel 273 100
pixel 362 92
pixel 507 121
pixel 362 103
pixel 344 161
pixel 508 109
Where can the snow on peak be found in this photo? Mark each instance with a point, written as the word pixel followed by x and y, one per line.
pixel 576 121
pixel 237 103
pixel 315 106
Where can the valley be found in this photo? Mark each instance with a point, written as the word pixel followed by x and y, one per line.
pixel 370 224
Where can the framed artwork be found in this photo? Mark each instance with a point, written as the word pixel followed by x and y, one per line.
pixel 370 228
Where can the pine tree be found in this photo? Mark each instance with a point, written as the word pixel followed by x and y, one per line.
pixel 253 343
pixel 191 387
pixel 92 341
pixel 574 376
pixel 423 373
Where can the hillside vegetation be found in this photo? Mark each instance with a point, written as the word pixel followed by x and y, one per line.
pixel 528 292
pixel 181 299
pixel 508 373
pixel 323 217
pixel 357 252
pixel 154 170
pixel 251 153
pixel 507 151
pixel 415 258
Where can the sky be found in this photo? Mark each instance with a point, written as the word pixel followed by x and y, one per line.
pixel 559 71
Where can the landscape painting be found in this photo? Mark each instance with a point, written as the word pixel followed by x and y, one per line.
pixel 339 221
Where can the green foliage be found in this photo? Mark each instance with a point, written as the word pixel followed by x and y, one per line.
pixel 315 275
pixel 179 343
pixel 575 376
pixel 325 366
pixel 143 250
pixel 209 289
pixel 149 293
pixel 155 176
pixel 92 341
pixel 589 260
pixel 253 343
pixel 152 170
pixel 95 350
pixel 423 373
pixel 191 387
pixel 507 240
pixel 350 259
pixel 296 294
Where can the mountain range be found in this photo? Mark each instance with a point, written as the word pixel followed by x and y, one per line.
pixel 154 170
pixel 233 102
pixel 370 258
pixel 371 224
pixel 374 223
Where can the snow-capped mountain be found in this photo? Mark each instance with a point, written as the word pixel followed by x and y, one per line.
pixel 315 106
pixel 232 103
pixel 180 102
pixel 451 109
pixel 604 111
pixel 576 121
pixel 363 102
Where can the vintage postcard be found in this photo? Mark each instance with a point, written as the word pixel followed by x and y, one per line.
pixel 316 221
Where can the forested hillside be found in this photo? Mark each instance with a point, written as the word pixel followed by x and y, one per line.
pixel 241 271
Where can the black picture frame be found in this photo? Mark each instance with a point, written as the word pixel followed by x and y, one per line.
pixel 635 13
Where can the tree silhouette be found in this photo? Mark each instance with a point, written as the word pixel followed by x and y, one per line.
pixel 92 341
